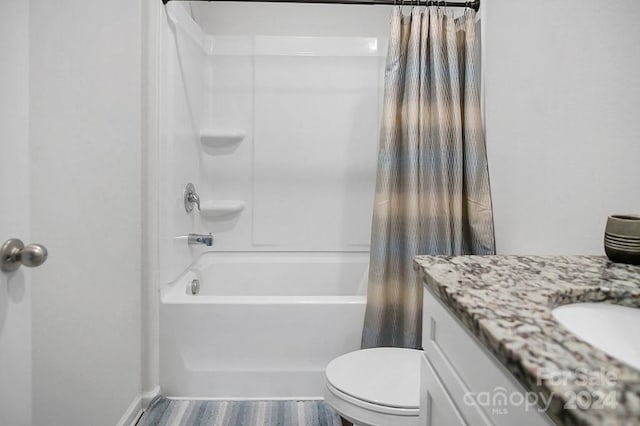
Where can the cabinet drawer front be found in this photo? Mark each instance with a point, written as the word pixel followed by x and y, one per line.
pixel 437 408
pixel 467 368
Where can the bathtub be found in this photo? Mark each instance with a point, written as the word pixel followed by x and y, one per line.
pixel 262 325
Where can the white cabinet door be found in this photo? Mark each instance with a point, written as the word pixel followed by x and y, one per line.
pixel 15 296
pixel 466 369
pixel 436 406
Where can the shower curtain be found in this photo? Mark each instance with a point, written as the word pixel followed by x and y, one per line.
pixel 432 186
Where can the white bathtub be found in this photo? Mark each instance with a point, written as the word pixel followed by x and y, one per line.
pixel 262 326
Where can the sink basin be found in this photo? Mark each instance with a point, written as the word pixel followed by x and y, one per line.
pixel 610 328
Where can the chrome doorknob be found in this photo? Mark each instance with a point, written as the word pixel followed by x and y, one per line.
pixel 13 253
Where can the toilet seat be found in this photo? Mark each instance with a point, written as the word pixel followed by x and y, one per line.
pixel 378 387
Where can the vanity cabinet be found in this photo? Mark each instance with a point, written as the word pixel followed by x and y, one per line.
pixel 464 384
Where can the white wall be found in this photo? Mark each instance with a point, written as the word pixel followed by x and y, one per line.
pixel 240 19
pixel 152 14
pixel 85 167
pixel 562 101
pixel 15 289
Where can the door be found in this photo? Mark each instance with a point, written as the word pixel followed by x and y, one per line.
pixel 15 296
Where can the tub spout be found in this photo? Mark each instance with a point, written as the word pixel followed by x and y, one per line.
pixel 207 240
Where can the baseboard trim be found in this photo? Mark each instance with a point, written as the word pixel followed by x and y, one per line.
pixel 148 396
pixel 130 416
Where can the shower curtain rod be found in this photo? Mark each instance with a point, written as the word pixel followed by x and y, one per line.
pixel 475 4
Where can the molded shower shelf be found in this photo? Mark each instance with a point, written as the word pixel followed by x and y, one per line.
pixel 219 141
pixel 221 209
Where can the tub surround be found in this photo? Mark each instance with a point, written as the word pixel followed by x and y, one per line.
pixel 506 303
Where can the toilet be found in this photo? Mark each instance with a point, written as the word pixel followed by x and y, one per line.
pixel 375 387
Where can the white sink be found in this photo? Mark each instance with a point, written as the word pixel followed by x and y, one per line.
pixel 610 328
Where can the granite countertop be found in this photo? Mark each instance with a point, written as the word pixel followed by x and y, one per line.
pixel 506 302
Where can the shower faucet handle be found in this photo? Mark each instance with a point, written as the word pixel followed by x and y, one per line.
pixel 191 197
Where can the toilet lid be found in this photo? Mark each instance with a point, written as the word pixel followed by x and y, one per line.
pixel 384 376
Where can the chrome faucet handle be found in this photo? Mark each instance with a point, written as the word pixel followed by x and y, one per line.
pixel 191 197
pixel 195 198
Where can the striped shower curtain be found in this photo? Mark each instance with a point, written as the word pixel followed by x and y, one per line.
pixel 432 187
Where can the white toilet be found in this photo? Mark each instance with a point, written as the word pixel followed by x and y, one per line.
pixel 375 387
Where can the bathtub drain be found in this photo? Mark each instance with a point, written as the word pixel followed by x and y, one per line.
pixel 195 287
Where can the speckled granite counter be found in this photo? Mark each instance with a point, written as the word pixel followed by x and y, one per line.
pixel 506 302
